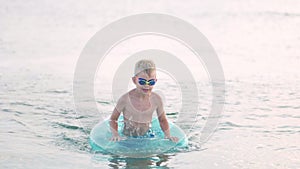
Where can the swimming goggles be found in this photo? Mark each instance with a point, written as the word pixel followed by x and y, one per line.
pixel 150 82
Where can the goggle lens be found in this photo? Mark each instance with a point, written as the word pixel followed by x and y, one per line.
pixel 150 82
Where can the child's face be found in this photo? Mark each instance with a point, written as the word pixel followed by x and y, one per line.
pixel 144 82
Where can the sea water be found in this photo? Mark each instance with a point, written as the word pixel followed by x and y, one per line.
pixel 258 46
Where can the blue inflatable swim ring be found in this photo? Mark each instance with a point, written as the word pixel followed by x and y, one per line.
pixel 142 146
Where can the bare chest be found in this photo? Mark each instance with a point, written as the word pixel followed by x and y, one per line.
pixel 139 111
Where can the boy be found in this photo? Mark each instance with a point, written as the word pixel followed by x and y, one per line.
pixel 139 104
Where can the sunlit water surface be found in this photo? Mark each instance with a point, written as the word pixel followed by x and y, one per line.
pixel 257 43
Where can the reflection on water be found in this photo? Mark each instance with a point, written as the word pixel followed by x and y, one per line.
pixel 158 161
pixel 258 116
pixel 258 45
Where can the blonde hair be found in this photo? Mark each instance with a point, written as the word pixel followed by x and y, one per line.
pixel 146 66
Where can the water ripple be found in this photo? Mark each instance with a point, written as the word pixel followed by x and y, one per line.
pixel 77 143
pixel 230 125
pixel 69 126
pixel 58 91
pixel 104 102
pixel 22 104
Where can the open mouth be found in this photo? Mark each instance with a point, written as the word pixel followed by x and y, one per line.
pixel 145 90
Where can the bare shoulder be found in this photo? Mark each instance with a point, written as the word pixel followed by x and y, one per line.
pixel 122 102
pixel 124 98
pixel 157 99
pixel 155 95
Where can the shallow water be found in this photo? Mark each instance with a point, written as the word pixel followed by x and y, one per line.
pixel 259 127
pixel 257 43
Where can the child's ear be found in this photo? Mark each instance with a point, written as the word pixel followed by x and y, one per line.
pixel 133 79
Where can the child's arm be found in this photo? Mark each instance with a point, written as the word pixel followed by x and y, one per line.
pixel 114 119
pixel 163 121
pixel 165 127
pixel 114 125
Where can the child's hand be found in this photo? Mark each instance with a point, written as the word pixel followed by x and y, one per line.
pixel 115 138
pixel 174 139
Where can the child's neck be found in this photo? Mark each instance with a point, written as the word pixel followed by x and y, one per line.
pixel 140 96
